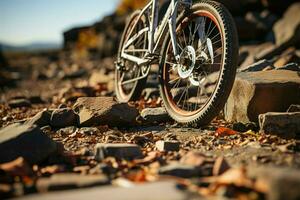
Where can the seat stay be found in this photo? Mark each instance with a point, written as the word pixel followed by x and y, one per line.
pixel 135 37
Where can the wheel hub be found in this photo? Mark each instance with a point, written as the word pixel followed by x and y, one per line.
pixel 187 62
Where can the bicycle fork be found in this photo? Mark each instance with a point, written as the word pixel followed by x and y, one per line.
pixel 172 23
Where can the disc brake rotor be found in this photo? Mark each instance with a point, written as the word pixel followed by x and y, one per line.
pixel 187 62
pixel 210 57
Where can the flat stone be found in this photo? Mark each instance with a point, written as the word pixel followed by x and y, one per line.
pixel 65 181
pixel 65 117
pixel 164 190
pixel 118 151
pixel 155 115
pixel 258 66
pixel 40 119
pixel 255 93
pixel 25 141
pixel 167 145
pixel 284 124
pixel 18 103
pixel 95 111
pixel 180 170
pixel 290 66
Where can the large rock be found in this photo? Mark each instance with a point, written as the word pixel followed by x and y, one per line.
pixel 284 124
pixel 256 93
pixel 104 111
pixel 25 141
pixel 287 29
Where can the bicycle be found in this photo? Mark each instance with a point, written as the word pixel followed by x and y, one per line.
pixel 196 48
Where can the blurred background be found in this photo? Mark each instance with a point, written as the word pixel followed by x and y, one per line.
pixel 61 49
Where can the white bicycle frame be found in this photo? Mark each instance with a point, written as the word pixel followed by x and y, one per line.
pixel 155 31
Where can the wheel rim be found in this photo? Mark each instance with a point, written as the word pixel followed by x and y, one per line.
pixel 132 70
pixel 189 95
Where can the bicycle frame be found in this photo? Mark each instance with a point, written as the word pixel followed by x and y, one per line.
pixel 155 31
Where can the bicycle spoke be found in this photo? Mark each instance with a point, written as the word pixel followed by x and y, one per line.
pixel 185 90
pixel 176 84
pixel 214 37
pixel 217 41
pixel 211 31
pixel 174 80
pixel 208 28
pixel 170 63
pixel 179 46
pixel 195 31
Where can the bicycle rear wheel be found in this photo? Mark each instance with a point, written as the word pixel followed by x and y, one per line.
pixel 196 89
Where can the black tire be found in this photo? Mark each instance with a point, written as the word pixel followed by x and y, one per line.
pixel 227 73
pixel 138 86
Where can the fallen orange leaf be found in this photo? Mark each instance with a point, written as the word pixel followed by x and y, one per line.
pixel 222 131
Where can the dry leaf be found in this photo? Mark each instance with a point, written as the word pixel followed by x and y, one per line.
pixel 222 131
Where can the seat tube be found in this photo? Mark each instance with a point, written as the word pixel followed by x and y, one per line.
pixel 153 25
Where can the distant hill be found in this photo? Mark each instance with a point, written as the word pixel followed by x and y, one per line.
pixel 36 46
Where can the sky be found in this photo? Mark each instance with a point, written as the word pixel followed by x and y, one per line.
pixel 27 21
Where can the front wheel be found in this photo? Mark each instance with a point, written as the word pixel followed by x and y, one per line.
pixel 195 88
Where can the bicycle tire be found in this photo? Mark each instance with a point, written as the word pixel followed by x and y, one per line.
pixel 227 74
